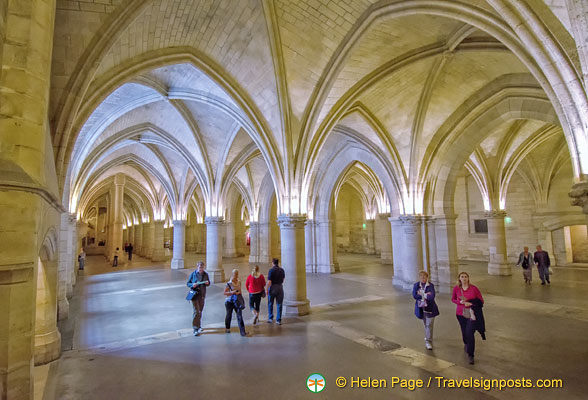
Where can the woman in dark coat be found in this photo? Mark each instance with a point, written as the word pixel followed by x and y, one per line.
pixel 425 307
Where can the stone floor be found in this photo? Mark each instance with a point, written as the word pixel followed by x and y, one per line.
pixel 129 337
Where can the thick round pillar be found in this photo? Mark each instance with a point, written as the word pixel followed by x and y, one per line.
pixel 408 249
pixel 253 242
pixel 158 252
pixel 293 262
pixel 371 236
pixel 446 249
pixel 229 249
pixel 117 225
pixel 497 265
pixel 179 245
pixel 384 232
pixel 148 240
pixel 214 249
pixel 138 243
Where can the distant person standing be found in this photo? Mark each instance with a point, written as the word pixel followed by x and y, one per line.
pixel 525 259
pixel 198 281
pixel 130 251
pixel 275 292
pixel 541 258
pixel 81 259
pixel 115 261
pixel 255 285
pixel 425 307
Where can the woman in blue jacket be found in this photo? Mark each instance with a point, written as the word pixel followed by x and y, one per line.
pixel 425 307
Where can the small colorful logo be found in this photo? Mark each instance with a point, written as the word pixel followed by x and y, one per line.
pixel 315 383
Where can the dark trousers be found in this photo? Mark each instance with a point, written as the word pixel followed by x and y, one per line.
pixel 197 307
pixel 115 262
pixel 255 301
pixel 276 292
pixel 467 333
pixel 543 273
pixel 229 307
pixel 130 255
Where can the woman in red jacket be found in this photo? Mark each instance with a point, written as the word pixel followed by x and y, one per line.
pixel 255 285
pixel 463 295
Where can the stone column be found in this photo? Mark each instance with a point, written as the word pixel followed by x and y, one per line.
pixel 253 242
pixel 431 246
pixel 47 336
pixel 158 252
pixel 177 261
pixel 265 244
pixel 138 243
pixel 408 249
pixel 446 248
pixel 125 236
pixel 64 270
pixel 326 247
pixel 214 249
pixel 117 225
pixel 26 43
pixel 71 254
pixel 384 229
pixel 148 240
pixel 497 243
pixel 200 236
pixel 310 243
pixel 371 236
pixel 293 262
pixel 190 246
pixel 230 249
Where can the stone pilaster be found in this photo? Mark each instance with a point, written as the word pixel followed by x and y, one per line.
pixel 497 264
pixel 117 219
pixel 253 242
pixel 325 246
pixel 214 249
pixel 311 245
pixel 138 243
pixel 293 262
pixel 430 246
pixel 177 261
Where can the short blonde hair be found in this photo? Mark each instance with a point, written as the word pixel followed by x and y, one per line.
pixel 235 272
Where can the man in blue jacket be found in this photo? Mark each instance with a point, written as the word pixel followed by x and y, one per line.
pixel 198 281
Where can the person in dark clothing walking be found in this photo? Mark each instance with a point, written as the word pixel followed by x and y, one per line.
pixel 275 292
pixel 543 263
pixel 198 281
pixel 130 251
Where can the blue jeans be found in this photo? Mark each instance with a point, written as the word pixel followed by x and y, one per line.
pixel 276 292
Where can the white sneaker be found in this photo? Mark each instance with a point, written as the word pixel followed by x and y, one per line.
pixel 428 346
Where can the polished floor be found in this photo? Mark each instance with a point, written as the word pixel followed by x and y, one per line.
pixel 129 337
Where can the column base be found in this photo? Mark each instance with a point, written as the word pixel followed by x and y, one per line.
pixel 386 258
pixel 62 309
pixel 296 308
pixel 177 264
pixel 327 268
pixel 47 347
pixel 401 283
pixel 216 276
pixel 502 269
pixel 230 254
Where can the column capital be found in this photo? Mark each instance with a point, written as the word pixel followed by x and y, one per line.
pixel 579 195
pixel 409 219
pixel 291 221
pixel 213 220
pixel 119 179
pixel 179 221
pixel 495 214
pixel 384 216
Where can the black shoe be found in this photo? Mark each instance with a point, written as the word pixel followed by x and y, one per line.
pixel 543 283
pixel 471 359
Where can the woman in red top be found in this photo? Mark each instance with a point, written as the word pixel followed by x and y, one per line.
pixel 463 295
pixel 255 285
